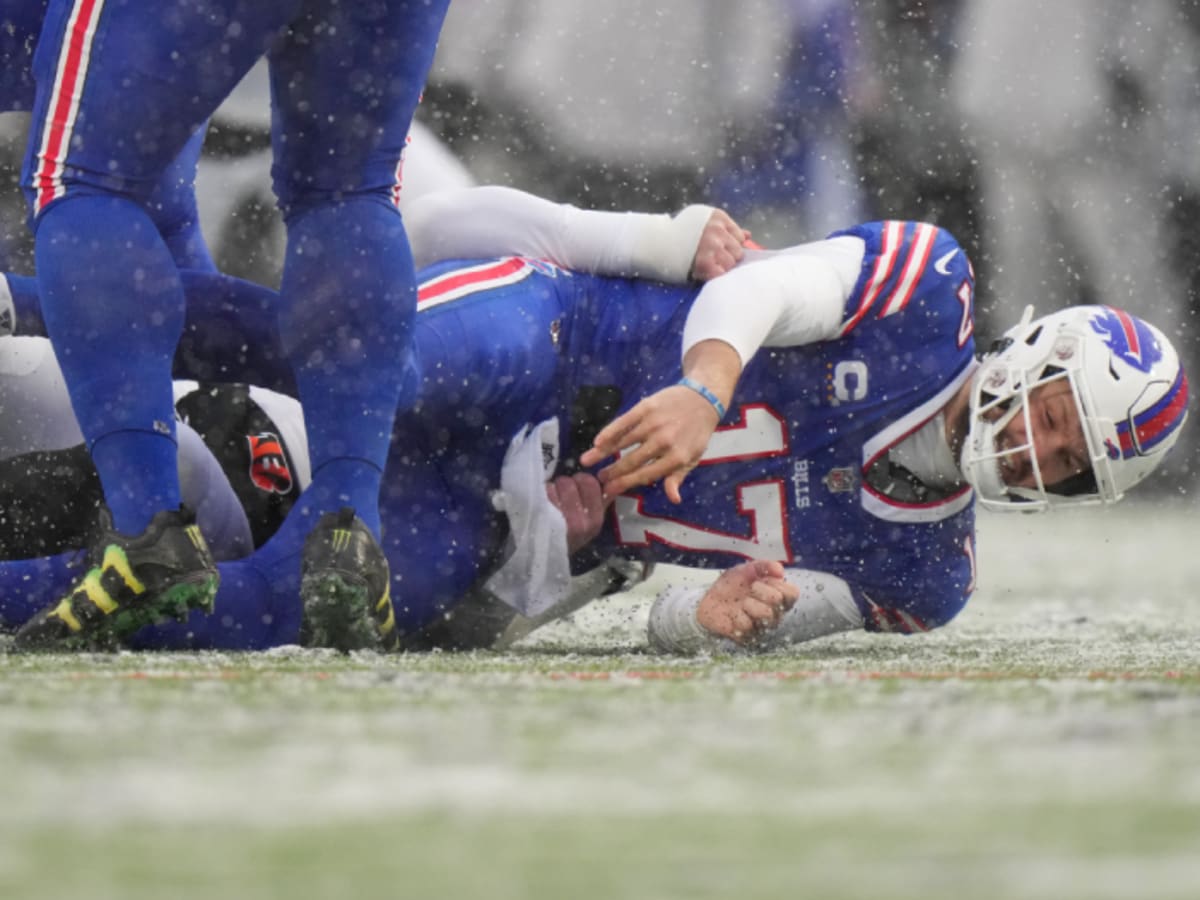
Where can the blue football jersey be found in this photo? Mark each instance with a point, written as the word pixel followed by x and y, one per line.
pixel 787 474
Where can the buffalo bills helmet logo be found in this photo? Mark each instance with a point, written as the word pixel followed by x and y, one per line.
pixel 1127 337
pixel 269 469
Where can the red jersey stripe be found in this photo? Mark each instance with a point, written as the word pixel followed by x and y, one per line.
pixel 918 258
pixel 461 282
pixel 893 238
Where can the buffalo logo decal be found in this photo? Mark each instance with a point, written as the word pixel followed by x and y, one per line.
pixel 268 466
pixel 1127 337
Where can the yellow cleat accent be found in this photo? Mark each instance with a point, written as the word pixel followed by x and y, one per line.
pixel 197 539
pixel 96 593
pixel 66 615
pixel 115 559
pixel 385 602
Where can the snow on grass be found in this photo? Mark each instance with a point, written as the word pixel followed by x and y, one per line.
pixel 1043 745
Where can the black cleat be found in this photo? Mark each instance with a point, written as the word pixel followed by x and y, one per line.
pixel 345 587
pixel 162 573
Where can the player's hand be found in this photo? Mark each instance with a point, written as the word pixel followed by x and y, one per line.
pixel 580 498
pixel 721 247
pixel 661 439
pixel 747 601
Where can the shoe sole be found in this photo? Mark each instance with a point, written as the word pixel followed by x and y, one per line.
pixel 337 612
pixel 197 592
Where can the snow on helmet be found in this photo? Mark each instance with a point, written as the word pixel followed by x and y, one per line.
pixel 1128 385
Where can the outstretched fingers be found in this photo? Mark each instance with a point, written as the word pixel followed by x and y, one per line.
pixel 662 437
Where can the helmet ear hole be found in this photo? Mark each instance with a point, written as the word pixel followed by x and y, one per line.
pixel 1033 336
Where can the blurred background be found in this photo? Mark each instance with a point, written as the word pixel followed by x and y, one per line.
pixel 1055 140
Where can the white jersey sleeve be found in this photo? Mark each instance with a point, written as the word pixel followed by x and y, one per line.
pixel 499 221
pixel 826 606
pixel 780 298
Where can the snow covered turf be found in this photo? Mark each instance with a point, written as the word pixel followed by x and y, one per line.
pixel 1045 745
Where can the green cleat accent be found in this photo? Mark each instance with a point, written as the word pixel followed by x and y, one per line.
pixel 162 573
pixel 345 587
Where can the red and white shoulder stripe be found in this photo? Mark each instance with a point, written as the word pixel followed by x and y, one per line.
pixel 896 271
pixel 471 279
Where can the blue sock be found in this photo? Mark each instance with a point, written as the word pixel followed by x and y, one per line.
pixel 344 482
pixel 126 461
pixel 114 307
pixel 348 299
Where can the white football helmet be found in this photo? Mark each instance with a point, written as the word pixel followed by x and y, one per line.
pixel 1129 387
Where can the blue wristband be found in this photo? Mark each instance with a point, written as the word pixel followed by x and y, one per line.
pixel 706 394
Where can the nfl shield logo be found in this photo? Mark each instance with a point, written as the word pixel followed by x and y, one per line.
pixel 841 481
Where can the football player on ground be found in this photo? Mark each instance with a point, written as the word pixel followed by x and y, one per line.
pixel 830 417
pixel 50 490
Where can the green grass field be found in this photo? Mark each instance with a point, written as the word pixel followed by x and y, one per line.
pixel 1045 745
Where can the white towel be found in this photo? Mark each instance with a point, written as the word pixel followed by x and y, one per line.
pixel 537 573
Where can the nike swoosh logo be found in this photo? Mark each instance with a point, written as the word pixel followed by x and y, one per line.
pixel 942 265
